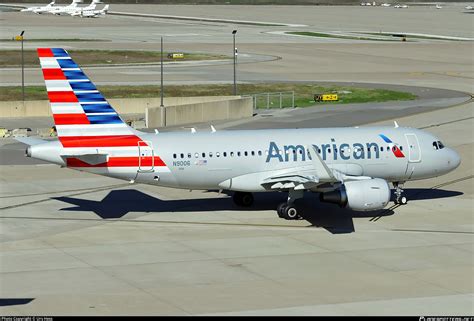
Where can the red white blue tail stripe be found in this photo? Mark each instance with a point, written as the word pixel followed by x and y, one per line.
pixel 82 116
pixel 85 120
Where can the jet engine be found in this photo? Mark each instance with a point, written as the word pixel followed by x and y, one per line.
pixel 365 195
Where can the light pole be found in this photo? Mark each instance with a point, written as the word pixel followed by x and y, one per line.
pixel 234 52
pixel 161 65
pixel 162 106
pixel 20 37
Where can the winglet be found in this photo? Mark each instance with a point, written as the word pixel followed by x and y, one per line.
pixel 213 129
pixel 395 124
pixel 322 170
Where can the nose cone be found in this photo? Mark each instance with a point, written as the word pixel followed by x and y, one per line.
pixel 454 160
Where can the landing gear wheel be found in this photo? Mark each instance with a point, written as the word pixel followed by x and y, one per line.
pixel 403 200
pixel 280 209
pixel 290 213
pixel 243 199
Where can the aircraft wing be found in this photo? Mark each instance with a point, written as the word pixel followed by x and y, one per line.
pixel 308 178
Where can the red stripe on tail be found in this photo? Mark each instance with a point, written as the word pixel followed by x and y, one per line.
pixel 100 141
pixel 45 52
pixel 53 74
pixel 71 119
pixel 62 97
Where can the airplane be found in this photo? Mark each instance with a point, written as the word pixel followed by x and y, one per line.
pixel 92 13
pixel 40 10
pixel 438 6
pixel 398 6
pixel 469 8
pixel 91 6
pixel 350 167
pixel 65 9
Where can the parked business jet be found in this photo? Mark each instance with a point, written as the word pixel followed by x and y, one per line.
pixel 91 6
pixel 65 9
pixel 351 167
pixel 92 13
pixel 40 10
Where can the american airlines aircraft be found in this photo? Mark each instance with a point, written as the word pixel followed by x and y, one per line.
pixel 40 10
pixel 351 167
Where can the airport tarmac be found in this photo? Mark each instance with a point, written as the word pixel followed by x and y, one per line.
pixel 74 243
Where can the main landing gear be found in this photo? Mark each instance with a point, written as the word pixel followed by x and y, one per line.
pixel 288 210
pixel 399 199
pixel 285 210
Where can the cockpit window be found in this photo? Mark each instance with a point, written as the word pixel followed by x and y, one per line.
pixel 435 145
pixel 440 144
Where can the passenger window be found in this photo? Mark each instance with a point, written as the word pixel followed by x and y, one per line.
pixel 253 153
pixel 196 155
pixel 246 153
pixel 381 148
pixel 189 155
pixel 435 145
pixel 266 152
pixel 224 154
pixel 210 154
pixel 238 154
pixel 440 144
pixel 231 154
pixel 182 155
pixel 203 155
pixel 174 155
pixel 401 147
pixel 218 154
pixel 329 150
pixel 259 153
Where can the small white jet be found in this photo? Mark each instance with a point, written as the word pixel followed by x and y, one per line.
pixel 90 7
pixel 438 6
pixel 469 8
pixel 65 9
pixel 40 10
pixel 350 167
pixel 91 13
pixel 385 5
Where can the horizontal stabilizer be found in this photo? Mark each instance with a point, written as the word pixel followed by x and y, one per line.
pixel 31 140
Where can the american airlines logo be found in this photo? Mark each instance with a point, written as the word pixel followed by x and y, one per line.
pixel 333 151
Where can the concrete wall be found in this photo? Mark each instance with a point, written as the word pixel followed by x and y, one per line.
pixel 40 108
pixel 232 108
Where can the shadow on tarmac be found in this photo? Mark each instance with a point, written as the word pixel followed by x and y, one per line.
pixel 14 301
pixel 336 220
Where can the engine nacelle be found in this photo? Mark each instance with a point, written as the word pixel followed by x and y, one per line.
pixel 365 195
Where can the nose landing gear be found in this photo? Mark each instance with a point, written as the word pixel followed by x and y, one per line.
pixel 399 198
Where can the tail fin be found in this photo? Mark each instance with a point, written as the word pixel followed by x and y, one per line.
pixel 106 8
pixel 82 116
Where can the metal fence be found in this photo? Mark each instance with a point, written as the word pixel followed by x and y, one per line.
pixel 283 99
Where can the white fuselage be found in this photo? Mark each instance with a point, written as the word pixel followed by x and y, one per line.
pixel 241 159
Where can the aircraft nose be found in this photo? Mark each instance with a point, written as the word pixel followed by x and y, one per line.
pixel 453 159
